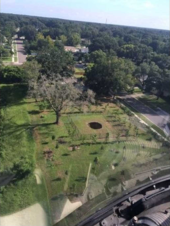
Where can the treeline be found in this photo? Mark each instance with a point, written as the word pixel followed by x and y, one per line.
pixel 145 51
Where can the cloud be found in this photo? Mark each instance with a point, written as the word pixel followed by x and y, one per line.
pixel 148 5
pixel 10 1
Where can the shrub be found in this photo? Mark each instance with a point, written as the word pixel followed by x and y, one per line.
pixel 57 145
pixel 53 137
pixel 12 74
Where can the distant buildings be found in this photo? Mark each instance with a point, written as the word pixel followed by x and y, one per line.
pixel 78 49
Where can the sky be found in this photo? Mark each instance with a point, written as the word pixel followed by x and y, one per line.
pixel 140 13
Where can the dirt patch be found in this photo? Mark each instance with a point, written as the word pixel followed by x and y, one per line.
pixel 72 148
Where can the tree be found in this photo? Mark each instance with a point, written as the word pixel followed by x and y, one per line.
pixel 110 74
pixel 63 38
pixel 97 56
pixel 23 167
pixel 50 41
pixel 32 75
pixel 39 36
pixel 59 94
pixel 11 74
pixel 154 78
pixel 29 32
pixel 74 39
pixel 56 61
pixel 142 71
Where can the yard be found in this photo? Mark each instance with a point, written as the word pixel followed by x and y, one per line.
pixel 18 146
pixel 73 145
pixel 70 153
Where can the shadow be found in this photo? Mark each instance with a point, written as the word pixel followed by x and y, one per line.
pixel 66 154
pixel 13 128
pixel 93 153
pixel 34 112
pixel 112 179
pixel 12 94
pixel 116 164
pixel 81 179
pixel 57 179
pixel 6 178
pixel 44 143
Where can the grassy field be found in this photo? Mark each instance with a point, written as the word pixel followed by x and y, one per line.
pixel 151 101
pixel 74 145
pixel 6 59
pixel 79 72
pixel 67 153
pixel 18 144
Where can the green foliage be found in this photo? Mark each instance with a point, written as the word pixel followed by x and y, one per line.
pixel 110 74
pixel 56 61
pixel 74 39
pixel 11 74
pixel 53 137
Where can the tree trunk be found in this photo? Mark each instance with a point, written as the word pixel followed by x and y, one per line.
pixel 57 117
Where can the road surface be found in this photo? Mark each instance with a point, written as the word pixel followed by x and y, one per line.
pixel 21 52
pixel 159 117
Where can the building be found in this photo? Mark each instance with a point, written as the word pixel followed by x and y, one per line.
pixel 77 49
pixel 71 49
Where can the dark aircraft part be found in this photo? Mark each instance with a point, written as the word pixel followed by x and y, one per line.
pixel 156 219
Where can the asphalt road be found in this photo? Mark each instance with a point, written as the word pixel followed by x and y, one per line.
pixel 21 52
pixel 159 117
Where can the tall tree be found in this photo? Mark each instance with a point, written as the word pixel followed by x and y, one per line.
pixel 61 93
pixel 56 61
pixel 32 73
pixel 142 71
pixel 110 75
pixel 74 39
pixel 63 38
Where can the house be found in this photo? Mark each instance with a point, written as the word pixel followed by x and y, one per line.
pixel 22 37
pixel 71 49
pixel 77 49
pixel 84 49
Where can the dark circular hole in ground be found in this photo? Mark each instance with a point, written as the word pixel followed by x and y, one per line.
pixel 95 125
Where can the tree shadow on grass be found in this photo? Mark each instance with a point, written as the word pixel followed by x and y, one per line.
pixel 81 179
pixel 13 95
pixel 13 128
pixel 65 154
pixel 34 112
pixel 112 179
pixel 56 179
pixel 93 153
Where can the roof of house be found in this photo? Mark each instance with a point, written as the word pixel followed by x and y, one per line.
pixel 71 49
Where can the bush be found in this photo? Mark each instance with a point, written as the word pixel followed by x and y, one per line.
pixel 12 74
pixel 53 137
pixel 57 145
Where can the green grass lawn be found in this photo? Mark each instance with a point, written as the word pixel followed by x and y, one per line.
pixel 79 72
pixel 6 59
pixel 74 151
pixel 151 101
pixel 82 124
pixel 18 143
pixel 67 172
pixel 137 90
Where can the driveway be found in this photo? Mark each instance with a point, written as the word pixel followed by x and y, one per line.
pixel 159 117
pixel 21 52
